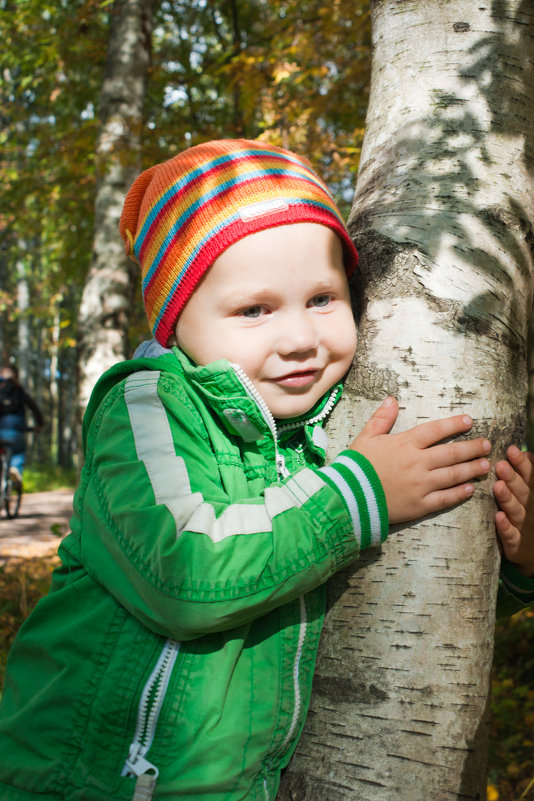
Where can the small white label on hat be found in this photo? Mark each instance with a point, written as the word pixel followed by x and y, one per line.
pixel 263 208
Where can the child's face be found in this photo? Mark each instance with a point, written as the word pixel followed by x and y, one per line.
pixel 277 303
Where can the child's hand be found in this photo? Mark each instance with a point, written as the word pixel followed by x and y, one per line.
pixel 418 475
pixel 514 492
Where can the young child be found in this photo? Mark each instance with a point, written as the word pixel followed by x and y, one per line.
pixel 174 655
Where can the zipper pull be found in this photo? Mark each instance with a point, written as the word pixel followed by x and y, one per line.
pixel 147 776
pixel 144 787
pixel 281 468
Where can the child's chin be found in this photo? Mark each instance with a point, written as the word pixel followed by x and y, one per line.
pixel 286 411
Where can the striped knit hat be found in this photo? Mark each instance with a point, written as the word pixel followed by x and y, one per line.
pixel 179 216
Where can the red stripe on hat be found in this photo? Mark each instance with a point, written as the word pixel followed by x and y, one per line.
pixel 231 234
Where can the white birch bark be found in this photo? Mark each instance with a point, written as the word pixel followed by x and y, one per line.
pixel 109 288
pixel 24 348
pixel 443 219
pixel 55 333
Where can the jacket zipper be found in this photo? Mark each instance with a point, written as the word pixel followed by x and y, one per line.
pixel 283 472
pixel 281 468
pixel 296 686
pixel 153 694
pixel 296 671
pixel 148 713
pixel 329 405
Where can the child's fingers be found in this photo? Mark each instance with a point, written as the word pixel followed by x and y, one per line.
pixel 453 453
pixel 383 419
pixel 446 477
pixel 513 480
pixel 427 434
pixel 522 462
pixel 508 534
pixel 512 508
pixel 445 498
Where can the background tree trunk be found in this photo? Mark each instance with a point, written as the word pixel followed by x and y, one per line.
pixel 23 314
pixel 443 219
pixel 109 289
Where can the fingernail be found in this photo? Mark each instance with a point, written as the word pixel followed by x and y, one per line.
pixel 388 401
pixel 467 420
pixel 485 465
pixel 469 489
pixel 486 445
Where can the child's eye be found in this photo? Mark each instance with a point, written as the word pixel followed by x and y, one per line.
pixel 253 312
pixel 320 301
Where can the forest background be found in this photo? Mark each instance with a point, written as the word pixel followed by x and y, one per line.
pixel 294 74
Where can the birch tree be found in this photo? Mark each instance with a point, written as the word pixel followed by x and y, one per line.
pixel 443 218
pixel 109 289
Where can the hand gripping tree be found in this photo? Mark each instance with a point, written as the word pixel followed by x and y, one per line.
pixel 443 219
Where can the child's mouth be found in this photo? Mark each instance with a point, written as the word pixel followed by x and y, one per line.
pixel 297 379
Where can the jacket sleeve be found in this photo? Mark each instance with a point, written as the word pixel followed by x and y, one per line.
pixel 158 529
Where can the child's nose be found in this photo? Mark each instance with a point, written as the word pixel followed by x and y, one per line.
pixel 298 334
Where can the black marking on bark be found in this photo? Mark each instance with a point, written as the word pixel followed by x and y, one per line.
pixel 336 690
pixel 372 381
pixel 298 786
pixel 461 27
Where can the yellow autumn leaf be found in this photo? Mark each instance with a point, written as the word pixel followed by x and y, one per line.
pixel 280 75
pixel 492 794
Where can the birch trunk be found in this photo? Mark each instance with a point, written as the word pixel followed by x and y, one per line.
pixel 110 285
pixel 24 348
pixel 443 219
pixel 55 333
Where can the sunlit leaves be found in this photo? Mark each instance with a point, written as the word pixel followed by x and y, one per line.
pixel 296 74
pixel 52 59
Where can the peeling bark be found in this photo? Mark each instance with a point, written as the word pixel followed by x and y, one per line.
pixel 443 218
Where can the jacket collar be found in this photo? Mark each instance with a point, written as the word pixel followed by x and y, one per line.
pixel 241 408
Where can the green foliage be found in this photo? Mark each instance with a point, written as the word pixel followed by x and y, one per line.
pixel 46 477
pixel 294 74
pixel 52 64
pixel 512 734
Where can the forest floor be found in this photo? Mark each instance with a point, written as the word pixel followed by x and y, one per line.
pixel 37 531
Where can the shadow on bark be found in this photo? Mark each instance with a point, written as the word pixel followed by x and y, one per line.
pixel 431 183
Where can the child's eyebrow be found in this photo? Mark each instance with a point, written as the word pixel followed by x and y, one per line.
pixel 328 285
pixel 247 297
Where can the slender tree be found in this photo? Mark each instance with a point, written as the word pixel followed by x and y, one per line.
pixel 23 322
pixel 109 289
pixel 443 217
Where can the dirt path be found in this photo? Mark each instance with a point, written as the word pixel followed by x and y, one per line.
pixel 43 520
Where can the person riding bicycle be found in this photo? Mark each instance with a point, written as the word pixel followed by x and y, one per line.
pixel 14 400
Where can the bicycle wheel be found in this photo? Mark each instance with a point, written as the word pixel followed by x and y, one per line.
pixel 12 497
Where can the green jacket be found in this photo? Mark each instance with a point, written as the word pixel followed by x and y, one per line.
pixel 178 642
